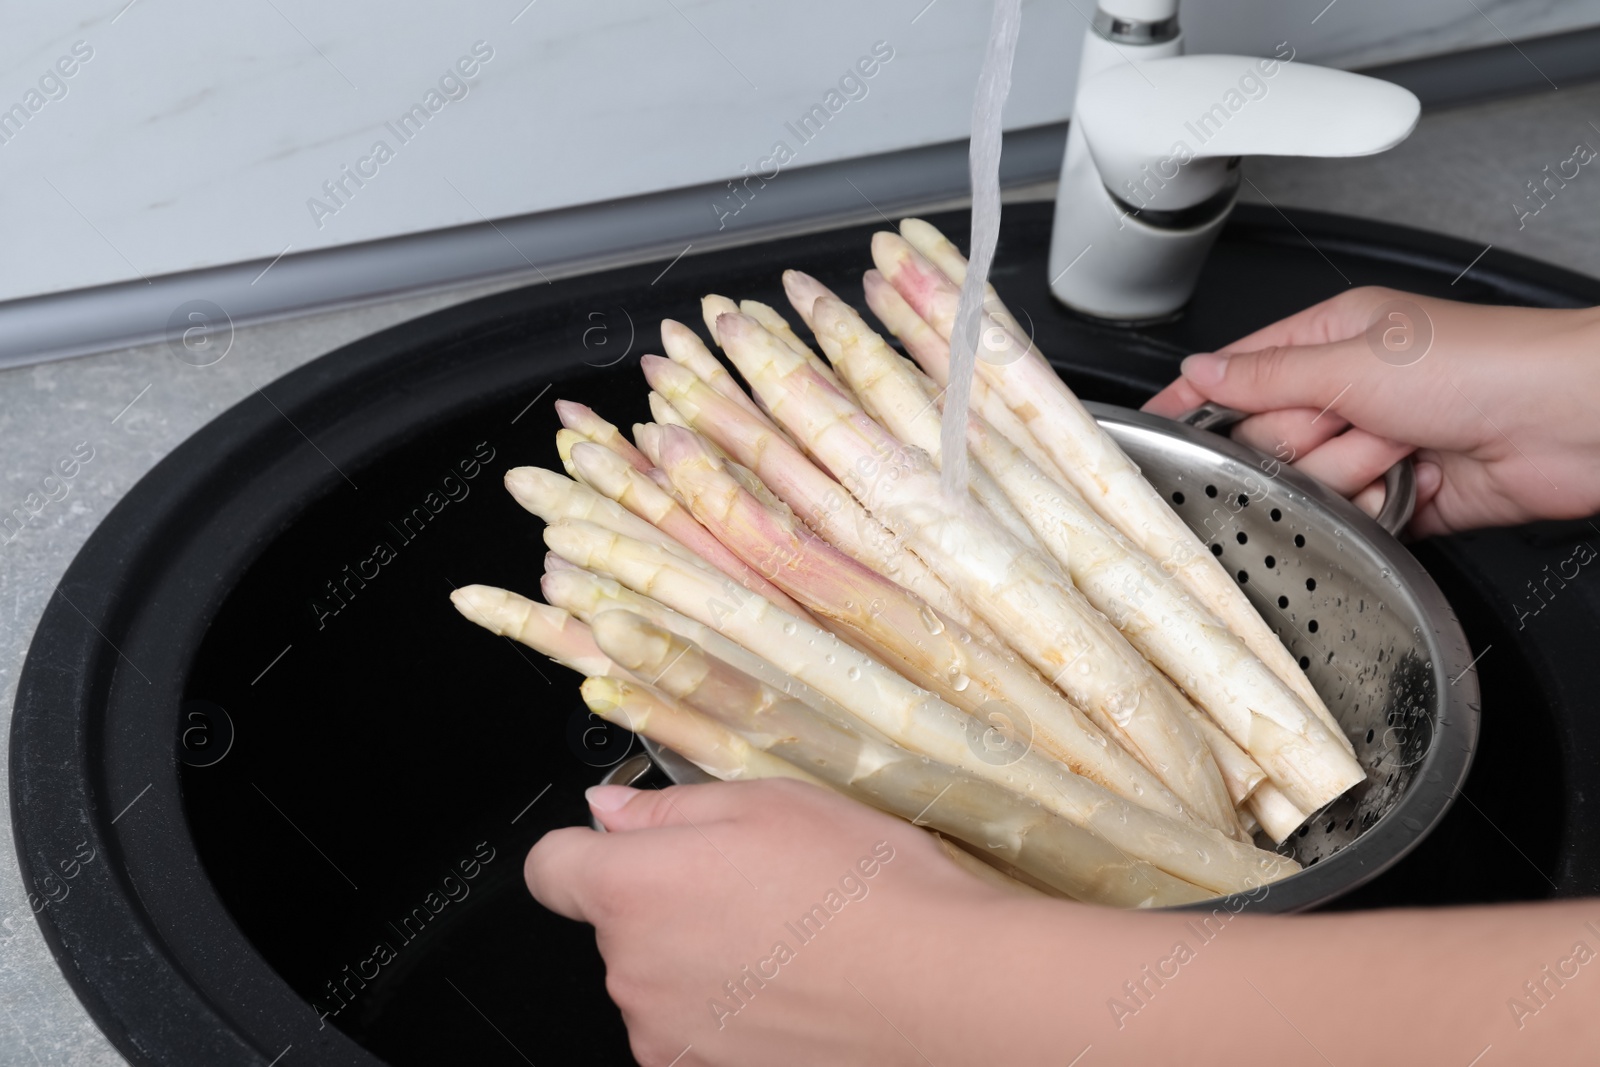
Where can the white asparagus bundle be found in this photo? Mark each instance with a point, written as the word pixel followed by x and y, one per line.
pixel 1069 858
pixel 1157 615
pixel 819 501
pixel 906 714
pixel 903 631
pixel 708 744
pixel 610 475
pixel 1016 591
pixel 1086 457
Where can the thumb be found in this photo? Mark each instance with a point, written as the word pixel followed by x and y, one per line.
pixel 622 808
pixel 1282 376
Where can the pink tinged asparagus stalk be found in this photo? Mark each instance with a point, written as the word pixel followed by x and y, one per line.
pixel 1086 456
pixel 582 420
pixel 1016 591
pixel 881 378
pixel 910 716
pixel 697 737
pixel 892 393
pixel 902 630
pixel 1068 858
pixel 611 476
pixel 586 595
pixel 553 498
pixel 819 501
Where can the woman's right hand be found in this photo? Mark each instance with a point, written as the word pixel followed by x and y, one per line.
pixel 1502 408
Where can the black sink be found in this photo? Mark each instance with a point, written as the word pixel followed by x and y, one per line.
pixel 323 782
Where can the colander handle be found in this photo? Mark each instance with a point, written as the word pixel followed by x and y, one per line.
pixel 1399 481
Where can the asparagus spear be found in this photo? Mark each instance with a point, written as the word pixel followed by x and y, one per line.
pixel 610 475
pixel 1277 815
pixel 1087 458
pixel 819 501
pixel 702 740
pixel 582 420
pixel 1016 591
pixel 1069 858
pixel 900 629
pixel 553 498
pixel 909 716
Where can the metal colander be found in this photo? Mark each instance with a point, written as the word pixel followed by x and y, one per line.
pixel 1367 623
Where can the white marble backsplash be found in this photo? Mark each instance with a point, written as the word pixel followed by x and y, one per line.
pixel 191 134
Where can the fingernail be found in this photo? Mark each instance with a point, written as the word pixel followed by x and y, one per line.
pixel 608 797
pixel 1205 368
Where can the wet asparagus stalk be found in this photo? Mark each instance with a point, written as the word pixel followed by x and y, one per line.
pixel 1068 858
pixel 1086 457
pixel 1255 709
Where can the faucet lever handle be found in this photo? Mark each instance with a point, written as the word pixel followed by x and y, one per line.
pixel 1186 116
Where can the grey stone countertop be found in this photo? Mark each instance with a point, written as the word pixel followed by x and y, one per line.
pixel 1460 173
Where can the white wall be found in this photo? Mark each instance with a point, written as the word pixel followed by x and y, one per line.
pixel 197 132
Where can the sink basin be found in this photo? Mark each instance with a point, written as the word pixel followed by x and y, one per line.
pixel 313 784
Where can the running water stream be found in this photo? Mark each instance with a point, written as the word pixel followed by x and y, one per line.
pixel 994 83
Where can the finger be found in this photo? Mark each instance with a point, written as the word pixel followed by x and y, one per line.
pixel 558 868
pixel 1348 462
pixel 1370 499
pixel 1319 377
pixel 1430 479
pixel 1335 319
pixel 620 808
pixel 1290 433
pixel 1174 400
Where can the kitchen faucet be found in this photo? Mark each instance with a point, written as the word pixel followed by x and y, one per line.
pixel 1152 165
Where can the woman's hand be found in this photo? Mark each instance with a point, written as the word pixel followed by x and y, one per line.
pixel 1499 403
pixel 764 922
